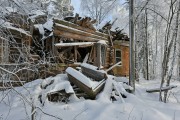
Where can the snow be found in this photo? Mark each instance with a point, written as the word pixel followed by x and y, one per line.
pixel 163 88
pixel 92 67
pixel 40 28
pixel 35 13
pixel 121 79
pixel 10 9
pixel 16 2
pixel 82 78
pixel 8 25
pixel 74 44
pixel 48 25
pixel 102 42
pixel 138 106
pixel 66 85
pixel 51 8
pixel 89 66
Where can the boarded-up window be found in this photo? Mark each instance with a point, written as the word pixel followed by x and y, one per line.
pixel 118 55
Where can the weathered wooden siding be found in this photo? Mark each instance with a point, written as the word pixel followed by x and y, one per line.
pixel 122 70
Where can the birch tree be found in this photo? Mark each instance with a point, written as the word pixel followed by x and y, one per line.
pixel 170 44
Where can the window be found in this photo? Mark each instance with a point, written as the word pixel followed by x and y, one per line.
pixel 118 55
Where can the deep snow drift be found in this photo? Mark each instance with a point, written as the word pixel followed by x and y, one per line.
pixel 16 104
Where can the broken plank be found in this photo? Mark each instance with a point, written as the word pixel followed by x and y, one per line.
pixel 162 89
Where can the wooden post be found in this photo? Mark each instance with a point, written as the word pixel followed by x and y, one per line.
pixel 75 53
pixel 98 55
pixel 53 50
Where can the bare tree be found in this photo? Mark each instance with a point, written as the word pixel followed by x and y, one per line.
pixel 170 42
pixel 98 9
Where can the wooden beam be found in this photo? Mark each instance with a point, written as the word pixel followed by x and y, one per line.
pixel 79 44
pixel 98 55
pixel 75 53
pixel 74 36
pixel 76 31
pixel 69 24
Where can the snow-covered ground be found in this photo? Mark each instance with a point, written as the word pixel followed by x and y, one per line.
pixel 16 104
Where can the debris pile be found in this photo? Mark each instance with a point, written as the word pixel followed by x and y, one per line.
pixel 83 83
pixel 116 34
pixel 86 22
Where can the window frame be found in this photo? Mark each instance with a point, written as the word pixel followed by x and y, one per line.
pixel 118 57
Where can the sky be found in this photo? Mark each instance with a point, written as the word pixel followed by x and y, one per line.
pixel 120 12
pixel 76 5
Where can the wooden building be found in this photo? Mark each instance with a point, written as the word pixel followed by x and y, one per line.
pixel 121 54
pixel 66 44
pixel 15 46
pixel 86 45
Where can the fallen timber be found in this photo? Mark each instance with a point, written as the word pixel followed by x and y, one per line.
pixel 162 89
pixel 82 84
pixel 94 73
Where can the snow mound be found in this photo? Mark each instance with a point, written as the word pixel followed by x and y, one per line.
pixel 138 106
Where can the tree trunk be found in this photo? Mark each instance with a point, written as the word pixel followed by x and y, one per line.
pixel 174 40
pixel 146 47
pixel 131 32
